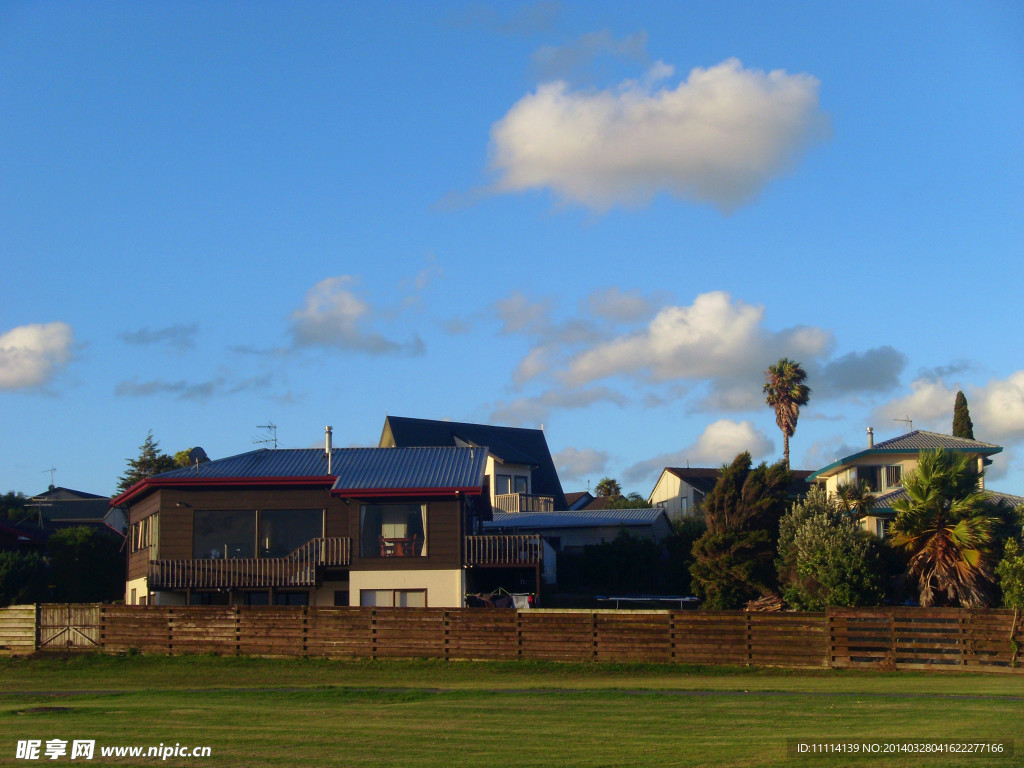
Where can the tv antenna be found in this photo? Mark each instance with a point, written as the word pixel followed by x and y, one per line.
pixel 908 421
pixel 51 470
pixel 270 436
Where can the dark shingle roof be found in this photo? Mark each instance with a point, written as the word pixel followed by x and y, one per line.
pixel 511 444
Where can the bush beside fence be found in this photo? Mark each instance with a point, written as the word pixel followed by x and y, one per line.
pixel 879 638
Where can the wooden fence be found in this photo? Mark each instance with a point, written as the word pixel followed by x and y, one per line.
pixel 17 629
pixel 872 638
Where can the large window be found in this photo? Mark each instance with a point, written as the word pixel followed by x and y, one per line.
pixel 393 598
pixel 393 530
pixel 224 533
pixel 282 531
pixel 511 484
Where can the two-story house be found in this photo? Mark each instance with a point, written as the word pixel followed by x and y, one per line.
pixel 520 469
pixel 330 526
pixel 681 491
pixel 880 467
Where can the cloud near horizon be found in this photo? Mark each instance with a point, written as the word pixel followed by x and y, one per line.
pixel 30 355
pixel 720 442
pixel 718 137
pixel 333 316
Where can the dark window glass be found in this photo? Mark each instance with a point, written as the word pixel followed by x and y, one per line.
pixel 502 484
pixel 257 598
pixel 872 476
pixel 282 531
pixel 291 598
pixel 223 534
pixel 393 530
pixel 521 484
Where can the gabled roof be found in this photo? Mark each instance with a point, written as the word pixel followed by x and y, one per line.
pixel 575 519
pixel 507 444
pixel 354 471
pixel 914 442
pixel 704 478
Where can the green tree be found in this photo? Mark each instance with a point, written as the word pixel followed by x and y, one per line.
pixel 785 391
pixel 632 500
pixel 187 458
pixel 608 486
pixel 150 461
pixel 854 498
pixel 962 424
pixel 1010 571
pixel 825 559
pixel 945 526
pixel 22 578
pixel 733 559
pixel 85 566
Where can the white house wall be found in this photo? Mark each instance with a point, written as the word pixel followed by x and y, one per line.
pixel 445 588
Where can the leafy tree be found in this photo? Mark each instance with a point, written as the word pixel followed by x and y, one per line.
pixel 733 558
pixel 185 458
pixel 85 566
pixel 962 424
pixel 608 486
pixel 22 578
pixel 150 461
pixel 1010 571
pixel 13 505
pixel 632 500
pixel 785 391
pixel 824 559
pixel 946 527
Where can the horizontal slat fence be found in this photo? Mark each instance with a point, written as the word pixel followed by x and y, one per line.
pixel 871 638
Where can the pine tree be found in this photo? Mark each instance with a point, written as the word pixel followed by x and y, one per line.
pixel 149 462
pixel 962 424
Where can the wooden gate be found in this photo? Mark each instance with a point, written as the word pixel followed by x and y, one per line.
pixel 69 627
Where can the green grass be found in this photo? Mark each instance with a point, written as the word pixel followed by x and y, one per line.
pixel 278 712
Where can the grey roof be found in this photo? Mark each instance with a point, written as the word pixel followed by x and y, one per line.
pixel 915 442
pixel 575 519
pixel 352 469
pixel 510 444
pixel 884 502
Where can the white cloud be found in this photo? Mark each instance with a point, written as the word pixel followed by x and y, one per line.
pixel 720 442
pixel 715 337
pixel 579 463
pixel 997 408
pixel 31 354
pixel 534 411
pixel 334 316
pixel 718 138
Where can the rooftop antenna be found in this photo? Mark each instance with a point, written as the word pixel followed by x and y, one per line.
pixel 270 437
pixel 908 421
pixel 51 470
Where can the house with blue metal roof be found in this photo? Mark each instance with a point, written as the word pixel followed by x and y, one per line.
pixel 332 526
pixel 880 468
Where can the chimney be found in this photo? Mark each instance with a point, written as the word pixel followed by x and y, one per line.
pixel 871 437
pixel 328 447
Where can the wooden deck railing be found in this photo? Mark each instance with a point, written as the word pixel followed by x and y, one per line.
pixel 523 502
pixel 513 549
pixel 296 569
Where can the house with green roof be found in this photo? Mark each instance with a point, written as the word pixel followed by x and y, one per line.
pixel 880 467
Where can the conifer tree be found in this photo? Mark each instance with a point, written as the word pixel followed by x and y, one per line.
pixel 149 462
pixel 962 424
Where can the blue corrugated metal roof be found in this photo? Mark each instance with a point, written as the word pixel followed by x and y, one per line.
pixel 355 468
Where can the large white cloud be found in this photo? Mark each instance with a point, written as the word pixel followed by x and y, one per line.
pixel 714 337
pixel 719 137
pixel 31 354
pixel 334 316
pixel 720 442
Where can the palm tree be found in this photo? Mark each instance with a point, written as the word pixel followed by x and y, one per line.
pixel 854 498
pixel 608 486
pixel 785 391
pixel 943 525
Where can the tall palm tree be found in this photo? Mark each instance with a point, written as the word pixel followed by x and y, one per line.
pixel 608 486
pixel 785 392
pixel 943 525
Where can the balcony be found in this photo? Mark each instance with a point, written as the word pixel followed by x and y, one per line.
pixel 523 502
pixel 512 549
pixel 296 569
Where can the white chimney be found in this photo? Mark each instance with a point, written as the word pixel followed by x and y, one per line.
pixel 871 437
pixel 328 447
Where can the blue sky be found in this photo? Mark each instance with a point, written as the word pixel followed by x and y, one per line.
pixel 602 217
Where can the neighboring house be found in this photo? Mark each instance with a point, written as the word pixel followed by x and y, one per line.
pixel 681 491
pixel 66 508
pixel 348 526
pixel 587 500
pixel 882 466
pixel 521 472
pixel 573 530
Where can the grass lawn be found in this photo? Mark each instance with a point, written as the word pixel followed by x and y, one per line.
pixel 277 712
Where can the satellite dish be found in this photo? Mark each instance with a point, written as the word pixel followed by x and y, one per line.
pixel 197 456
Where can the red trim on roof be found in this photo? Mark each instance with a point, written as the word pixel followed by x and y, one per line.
pixel 153 483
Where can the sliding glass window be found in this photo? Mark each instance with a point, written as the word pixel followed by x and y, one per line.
pixel 224 533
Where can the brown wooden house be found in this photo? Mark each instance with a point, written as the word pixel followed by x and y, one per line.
pixel 333 526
